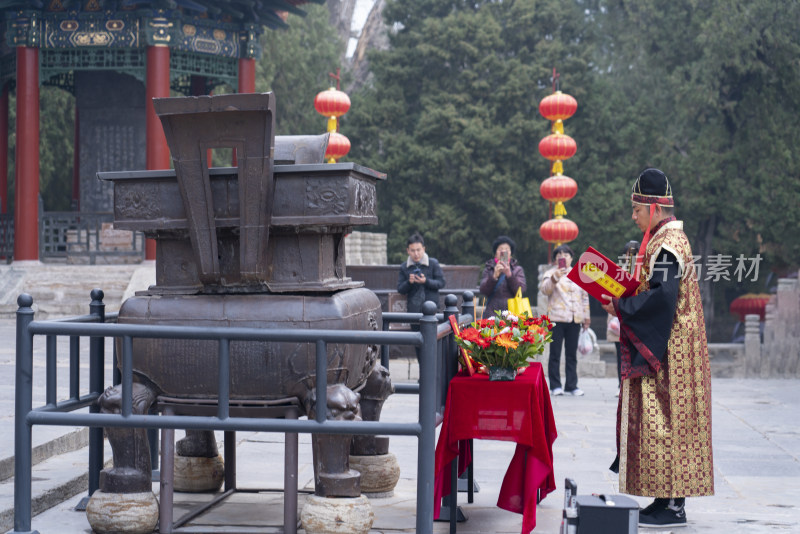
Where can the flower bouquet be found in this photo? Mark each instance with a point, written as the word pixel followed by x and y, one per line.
pixel 504 343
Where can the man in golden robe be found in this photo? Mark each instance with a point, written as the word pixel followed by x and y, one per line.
pixel 664 412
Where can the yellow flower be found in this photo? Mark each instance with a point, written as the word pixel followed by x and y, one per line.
pixel 504 340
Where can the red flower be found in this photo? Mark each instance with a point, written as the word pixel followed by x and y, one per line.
pixel 474 336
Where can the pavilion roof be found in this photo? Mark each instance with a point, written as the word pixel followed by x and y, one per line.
pixel 269 13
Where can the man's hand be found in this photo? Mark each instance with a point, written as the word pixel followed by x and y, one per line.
pixel 607 305
pixel 416 278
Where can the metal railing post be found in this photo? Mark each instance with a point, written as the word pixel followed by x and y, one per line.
pixel 321 382
pixel 427 418
pixel 468 304
pixel 96 372
pixel 23 406
pixel 385 348
pixel 449 360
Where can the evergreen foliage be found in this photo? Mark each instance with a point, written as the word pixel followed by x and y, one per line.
pixel 453 119
pixel 706 91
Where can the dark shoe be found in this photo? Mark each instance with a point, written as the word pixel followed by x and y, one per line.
pixel 660 514
pixel 657 503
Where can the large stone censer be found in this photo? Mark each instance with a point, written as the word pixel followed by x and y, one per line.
pixel 260 245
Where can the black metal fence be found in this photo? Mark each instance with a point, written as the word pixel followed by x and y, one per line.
pixel 437 366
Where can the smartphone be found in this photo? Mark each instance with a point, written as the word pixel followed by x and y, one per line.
pixel 562 263
pixel 504 257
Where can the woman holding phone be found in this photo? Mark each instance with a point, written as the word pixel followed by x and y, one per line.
pixel 568 308
pixel 502 276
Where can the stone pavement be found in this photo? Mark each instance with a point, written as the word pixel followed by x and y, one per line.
pixel 757 464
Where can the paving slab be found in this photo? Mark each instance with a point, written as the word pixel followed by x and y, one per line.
pixel 756 425
pixel 756 468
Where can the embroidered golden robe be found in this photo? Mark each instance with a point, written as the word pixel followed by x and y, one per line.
pixel 664 415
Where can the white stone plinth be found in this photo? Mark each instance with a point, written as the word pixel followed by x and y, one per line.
pixel 337 515
pixel 379 474
pixel 123 513
pixel 195 474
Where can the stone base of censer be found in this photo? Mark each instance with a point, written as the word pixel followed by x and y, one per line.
pixel 195 474
pixel 122 513
pixel 337 515
pixel 379 474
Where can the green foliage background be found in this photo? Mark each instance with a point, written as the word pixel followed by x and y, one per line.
pixel 707 91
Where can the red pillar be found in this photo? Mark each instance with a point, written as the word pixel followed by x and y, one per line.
pixel 247 75
pixel 247 83
pixel 4 150
pixel 157 87
pixel 26 191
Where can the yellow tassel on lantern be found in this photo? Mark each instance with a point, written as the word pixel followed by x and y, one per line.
pixel 559 210
pixel 557 168
pixel 332 124
pixel 558 127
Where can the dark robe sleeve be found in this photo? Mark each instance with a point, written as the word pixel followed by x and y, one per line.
pixel 646 319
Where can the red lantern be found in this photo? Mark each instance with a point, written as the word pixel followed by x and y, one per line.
pixel 557 147
pixel 338 147
pixel 558 106
pixel 558 231
pixel 750 303
pixel 558 188
pixel 332 103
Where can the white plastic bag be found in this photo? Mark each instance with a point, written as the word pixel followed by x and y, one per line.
pixel 613 326
pixel 587 341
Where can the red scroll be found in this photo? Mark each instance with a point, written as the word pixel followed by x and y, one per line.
pixel 600 276
pixel 463 358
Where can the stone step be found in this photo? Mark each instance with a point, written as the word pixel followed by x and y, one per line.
pixel 54 480
pixel 65 290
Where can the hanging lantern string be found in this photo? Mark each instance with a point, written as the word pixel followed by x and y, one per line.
pixel 335 120
pixel 557 147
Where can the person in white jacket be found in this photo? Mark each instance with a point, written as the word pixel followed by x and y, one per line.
pixel 568 308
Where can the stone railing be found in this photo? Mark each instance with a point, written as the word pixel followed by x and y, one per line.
pixel 365 248
pixel 77 238
pixel 778 355
pixel 87 238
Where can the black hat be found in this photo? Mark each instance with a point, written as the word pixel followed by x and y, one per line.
pixel 652 187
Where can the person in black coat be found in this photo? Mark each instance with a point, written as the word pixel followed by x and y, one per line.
pixel 420 276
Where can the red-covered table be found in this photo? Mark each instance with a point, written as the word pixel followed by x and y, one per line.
pixel 518 411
